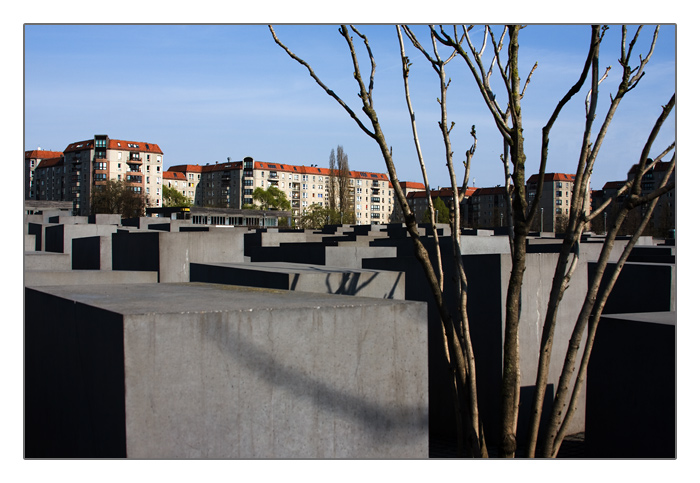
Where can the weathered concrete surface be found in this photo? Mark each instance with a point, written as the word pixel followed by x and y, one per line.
pixel 105 219
pixel 170 254
pixel 29 242
pixel 350 255
pixel 488 275
pixel 39 278
pixel 58 238
pixel 46 261
pixel 68 220
pixel 631 402
pixel 212 371
pixel 92 253
pixel 303 278
pixel 484 244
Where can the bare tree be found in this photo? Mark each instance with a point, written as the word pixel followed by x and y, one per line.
pixel 340 191
pixel 455 354
pixel 332 182
pixel 520 213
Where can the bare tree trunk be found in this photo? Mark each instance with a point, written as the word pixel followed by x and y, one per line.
pixel 456 356
pixel 333 182
pixel 555 431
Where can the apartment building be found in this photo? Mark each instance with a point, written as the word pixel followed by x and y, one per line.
pixel 418 201
pixel 188 177
pixel 555 203
pixel 231 185
pixel 487 207
pixel 50 180
pixel 32 159
pixel 176 181
pixel 92 162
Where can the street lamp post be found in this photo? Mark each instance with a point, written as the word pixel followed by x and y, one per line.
pixel 541 220
pixel 605 223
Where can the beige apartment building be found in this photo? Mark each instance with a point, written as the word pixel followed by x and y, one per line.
pixel 555 203
pixel 86 164
pixel 231 185
pixel 191 174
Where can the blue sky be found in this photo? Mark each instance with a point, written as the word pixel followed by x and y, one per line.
pixel 208 92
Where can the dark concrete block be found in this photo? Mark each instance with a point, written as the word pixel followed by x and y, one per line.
pixel 631 402
pixel 640 287
pixel 73 409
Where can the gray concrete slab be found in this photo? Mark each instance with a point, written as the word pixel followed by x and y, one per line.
pixel 92 253
pixel 46 261
pixel 351 254
pixel 29 242
pixel 171 253
pixel 58 238
pixel 213 371
pixel 40 278
pixel 304 278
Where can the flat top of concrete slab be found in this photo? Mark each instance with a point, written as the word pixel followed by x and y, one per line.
pixel 665 318
pixel 289 267
pixel 163 298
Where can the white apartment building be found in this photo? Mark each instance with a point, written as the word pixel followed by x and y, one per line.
pixel 231 185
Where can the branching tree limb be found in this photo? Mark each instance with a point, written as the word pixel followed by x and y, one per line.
pixel 455 353
pixel 557 425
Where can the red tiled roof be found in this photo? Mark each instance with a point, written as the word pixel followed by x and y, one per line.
pixel 50 162
pixel 442 192
pixel 412 185
pixel 496 190
pixel 613 185
pixel 117 144
pixel 176 175
pixel 186 168
pixel 41 154
pixel 264 165
pixel 316 170
pixel 552 177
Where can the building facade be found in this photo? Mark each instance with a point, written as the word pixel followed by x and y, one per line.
pixel 50 180
pixel 192 174
pixel 487 207
pixel 74 174
pixel 555 203
pixel 231 185
pixel 32 159
pixel 418 202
